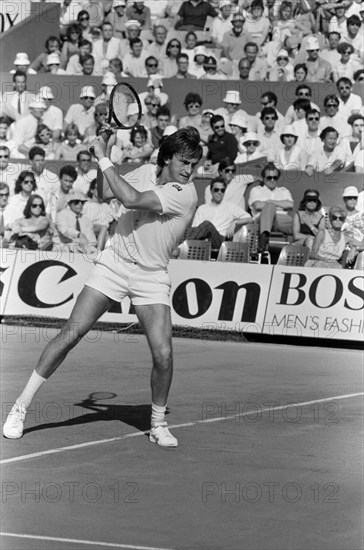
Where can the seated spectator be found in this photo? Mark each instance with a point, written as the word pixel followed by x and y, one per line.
pixel 83 20
pixel 43 138
pixel 9 172
pixel 152 67
pixel 348 63
pixel 300 72
pixel 267 99
pixel 15 104
pixel 282 71
pixel 74 63
pixel 319 70
pixel 269 135
pixel 25 185
pixel 330 158
pixel 221 144
pixel 192 15
pixel 290 156
pixel 157 48
pixel 139 12
pixel 353 227
pixel 107 84
pixel 221 23
pixel 303 91
pixel 154 87
pixel 9 143
pixel 70 45
pixel 82 114
pixel 106 48
pixel 46 181
pixel 168 63
pixel 163 120
pixel 197 67
pixel 349 103
pixel 52 116
pixel 238 127
pixel 331 54
pixel 354 141
pixel 252 151
pixel 139 150
pixel 85 173
pixel 193 105
pixel 116 67
pixel 354 35
pixel 244 68
pixel 308 220
pixel 211 71
pixel 52 45
pixel 118 18
pixel 134 61
pixel 69 13
pixel 301 107
pixel 54 64
pixel 218 220
pixel 152 103
pixel 270 206
pixel 4 222
pixel 87 64
pixel 338 21
pixel 183 66
pixel 72 144
pixel 59 198
pixel 310 141
pixel 257 25
pixel 190 46
pixel 333 118
pixel 205 128
pixel 75 229
pixel 232 105
pixel 133 30
pixel 283 25
pixel 329 243
pixel 236 184
pixel 34 229
pixel 234 41
pixel 100 115
pixel 22 63
pixel 25 128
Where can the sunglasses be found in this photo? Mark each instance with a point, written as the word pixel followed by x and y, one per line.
pixel 4 156
pixel 85 160
pixel 281 58
pixel 88 97
pixel 84 18
pixel 219 126
pixel 196 105
pixel 36 205
pixel 29 181
pixel 304 94
pixel 76 202
pixel 230 170
pixel 313 118
pixel 174 45
pixel 249 143
pixel 331 105
pixel 100 114
pixel 338 218
pixel 311 199
pixel 271 178
pixel 152 64
pixel 351 198
pixel 218 190
pixel 4 194
pixel 270 117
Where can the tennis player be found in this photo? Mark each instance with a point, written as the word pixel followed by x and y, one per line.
pixel 159 202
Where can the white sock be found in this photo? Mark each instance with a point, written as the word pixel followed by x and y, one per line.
pixel 33 385
pixel 157 414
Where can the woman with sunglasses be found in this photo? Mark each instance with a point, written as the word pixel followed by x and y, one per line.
pixel 348 63
pixel 168 63
pixel 193 106
pixel 25 185
pixel 34 224
pixel 282 70
pixel 329 243
pixel 308 220
pixel 43 138
pixel 71 44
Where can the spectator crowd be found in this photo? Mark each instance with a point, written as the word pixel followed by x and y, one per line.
pixel 300 42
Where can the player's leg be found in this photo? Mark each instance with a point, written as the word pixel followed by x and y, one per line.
pixel 90 305
pixel 156 322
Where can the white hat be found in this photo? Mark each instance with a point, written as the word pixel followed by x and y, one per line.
pixel 223 3
pixel 53 59
pixel 133 109
pixel 169 130
pixel 238 119
pixel 21 59
pixel 76 196
pixel 201 50
pixel 45 93
pixel 211 111
pixel 109 79
pixel 155 80
pixel 87 91
pixel 118 3
pixel 250 136
pixel 312 43
pixel 350 191
pixel 132 23
pixel 288 131
pixel 283 53
pixel 37 103
pixel 232 96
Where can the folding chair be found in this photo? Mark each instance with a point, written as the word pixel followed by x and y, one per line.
pixel 195 250
pixel 294 254
pixel 233 252
pixel 249 234
pixel 359 264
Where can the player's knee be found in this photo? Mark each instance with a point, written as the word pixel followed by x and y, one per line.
pixel 162 357
pixel 72 333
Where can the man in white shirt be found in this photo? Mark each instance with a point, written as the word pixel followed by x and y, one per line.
pixel 270 206
pixel 349 103
pixel 9 171
pixel 25 128
pixel 82 114
pixel 85 174
pixel 134 61
pixel 47 181
pixel 58 199
pixel 222 23
pixel 15 104
pixel 218 220
pixel 310 140
pixel 53 116
pixel 106 48
pixel 75 228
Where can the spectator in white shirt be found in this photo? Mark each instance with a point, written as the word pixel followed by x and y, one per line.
pixel 222 23
pixel 134 61
pixel 331 54
pixel 52 116
pixel 9 172
pixel 330 158
pixel 47 182
pixel 349 103
pixel 59 198
pixel 15 104
pixel 75 229
pixel 348 63
pixel 310 141
pixel 24 186
pixel 26 127
pixel 290 156
pixel 85 173
pixel 82 114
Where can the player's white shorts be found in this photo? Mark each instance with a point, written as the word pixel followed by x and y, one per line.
pixel 117 278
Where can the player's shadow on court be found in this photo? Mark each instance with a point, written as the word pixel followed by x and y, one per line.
pixel 95 409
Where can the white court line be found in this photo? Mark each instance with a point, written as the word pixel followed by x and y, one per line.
pixel 90 542
pixel 175 426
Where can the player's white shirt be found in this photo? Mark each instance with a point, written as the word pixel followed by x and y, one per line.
pixel 148 238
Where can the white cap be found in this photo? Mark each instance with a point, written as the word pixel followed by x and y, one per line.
pixel 238 119
pixel 155 80
pixel 201 50
pixel 283 53
pixel 53 59
pixel 45 93
pixel 350 191
pixel 312 43
pixel 132 23
pixel 250 136
pixel 169 130
pixel 288 131
pixel 109 79
pixel 232 96
pixel 37 103
pixel 21 59
pixel 118 3
pixel 87 91
pixel 208 111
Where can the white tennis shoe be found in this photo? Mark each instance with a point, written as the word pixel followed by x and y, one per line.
pixel 13 427
pixel 162 436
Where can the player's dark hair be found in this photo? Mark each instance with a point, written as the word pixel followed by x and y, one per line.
pixel 185 142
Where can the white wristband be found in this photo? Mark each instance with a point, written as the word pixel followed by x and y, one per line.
pixel 105 163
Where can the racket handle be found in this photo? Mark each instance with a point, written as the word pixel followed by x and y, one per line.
pixel 105 134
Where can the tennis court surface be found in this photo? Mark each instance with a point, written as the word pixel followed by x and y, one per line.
pixel 269 458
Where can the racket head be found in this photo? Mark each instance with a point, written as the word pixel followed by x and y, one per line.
pixel 125 106
pixel 101 396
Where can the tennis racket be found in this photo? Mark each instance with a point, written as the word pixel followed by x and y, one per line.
pixel 125 109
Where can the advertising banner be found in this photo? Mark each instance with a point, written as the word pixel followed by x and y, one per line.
pixel 316 302
pixel 7 264
pixel 11 13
